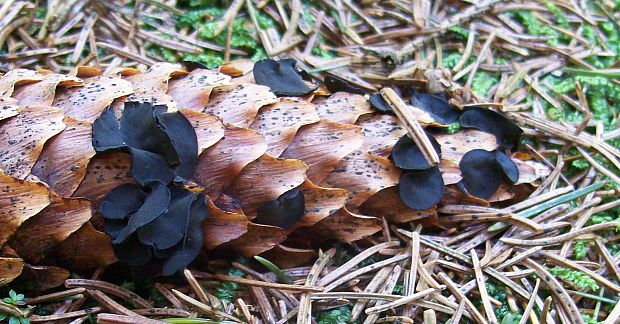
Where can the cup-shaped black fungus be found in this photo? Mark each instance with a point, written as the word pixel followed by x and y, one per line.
pixel 506 132
pixel 407 155
pixel 436 106
pixel 163 145
pixel 283 211
pixel 282 77
pixel 155 204
pixel 377 102
pixel 421 189
pixel 336 84
pixel 482 172
pixel 507 166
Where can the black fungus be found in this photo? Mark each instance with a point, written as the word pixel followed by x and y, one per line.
pixel 283 211
pixel 172 223
pixel 122 201
pixel 107 133
pixel 407 155
pixel 188 249
pixel 336 84
pixel 163 145
pixel 482 172
pixel 377 102
pixel 193 65
pixel 505 131
pixel 132 252
pixel 282 77
pixel 507 166
pixel 155 204
pixel 421 189
pixel 437 106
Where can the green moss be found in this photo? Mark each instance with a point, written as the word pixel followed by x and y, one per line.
pixel 339 315
pixel 577 278
pixel 482 83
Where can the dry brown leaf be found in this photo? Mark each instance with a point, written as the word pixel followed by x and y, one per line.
pixel 320 203
pixel 344 107
pixel 322 146
pixel 222 227
pixel 277 176
pixel 23 136
pixel 363 174
pixel 42 93
pixel 239 104
pixel 17 77
pixel 105 172
pixel 381 132
pixel 19 201
pixel 88 101
pixel 387 203
pixel 279 122
pixel 209 130
pixel 86 249
pixel 220 164
pixel 192 92
pixel 64 159
pixel 40 234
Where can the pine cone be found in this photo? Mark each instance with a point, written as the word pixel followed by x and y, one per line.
pixel 254 149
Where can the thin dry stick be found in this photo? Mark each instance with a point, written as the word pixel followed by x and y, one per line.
pixel 228 17
pixel 122 319
pixel 304 315
pixel 484 295
pixel 387 289
pixel 469 47
pixel 55 296
pixel 193 283
pixel 562 296
pixel 613 267
pixel 333 275
pixel 109 289
pixel 545 310
pixel 399 302
pixel 411 125
pixel 560 238
pixel 530 303
pixel 598 166
pixel 415 254
pixel 459 313
pixel 372 287
pixel 369 268
pixel 483 51
pixel 461 297
pixel 265 284
pixel 613 317
pixel 203 308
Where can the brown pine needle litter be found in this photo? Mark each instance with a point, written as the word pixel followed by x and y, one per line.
pixel 552 66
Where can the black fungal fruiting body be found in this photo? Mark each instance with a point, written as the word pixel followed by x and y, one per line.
pixel 505 131
pixel 284 211
pixel 157 221
pixel 336 84
pixel 437 106
pixel 421 185
pixel 282 77
pixel 482 172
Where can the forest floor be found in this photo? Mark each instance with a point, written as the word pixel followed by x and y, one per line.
pixel 552 66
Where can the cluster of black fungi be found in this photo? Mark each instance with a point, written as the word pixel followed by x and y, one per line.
pixel 421 184
pixel 157 222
